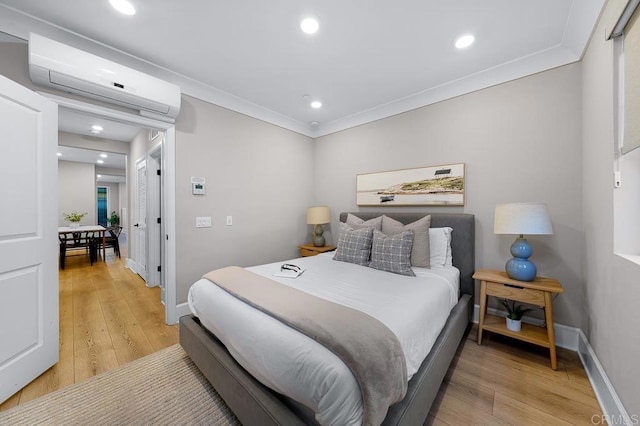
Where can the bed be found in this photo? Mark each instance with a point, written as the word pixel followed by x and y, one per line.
pixel 256 404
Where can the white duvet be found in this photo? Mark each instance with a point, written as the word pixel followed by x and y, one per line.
pixel 414 308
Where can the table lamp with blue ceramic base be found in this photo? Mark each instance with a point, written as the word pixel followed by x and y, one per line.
pixel 520 219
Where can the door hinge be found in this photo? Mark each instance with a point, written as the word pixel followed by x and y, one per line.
pixel 158 172
pixel 158 220
pixel 159 268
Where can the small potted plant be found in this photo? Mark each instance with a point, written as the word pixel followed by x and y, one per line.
pixel 514 314
pixel 114 219
pixel 74 218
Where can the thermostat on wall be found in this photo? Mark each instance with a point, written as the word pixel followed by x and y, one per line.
pixel 197 185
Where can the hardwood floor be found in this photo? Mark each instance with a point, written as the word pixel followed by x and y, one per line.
pixel 506 382
pixel 108 317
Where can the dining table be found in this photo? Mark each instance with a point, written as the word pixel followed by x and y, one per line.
pixel 101 230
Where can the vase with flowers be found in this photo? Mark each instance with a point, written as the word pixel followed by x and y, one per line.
pixel 74 218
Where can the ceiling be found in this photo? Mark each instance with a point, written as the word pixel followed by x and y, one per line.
pixel 81 123
pixel 112 161
pixel 369 59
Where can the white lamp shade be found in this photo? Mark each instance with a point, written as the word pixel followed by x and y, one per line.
pixel 522 218
pixel 318 215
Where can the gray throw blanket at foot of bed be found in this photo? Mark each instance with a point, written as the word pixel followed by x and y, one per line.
pixel 370 350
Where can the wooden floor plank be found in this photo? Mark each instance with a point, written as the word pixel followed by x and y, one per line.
pixel 521 366
pixel 128 338
pixel 454 411
pixel 11 402
pixel 555 400
pixel 434 421
pixel 472 393
pixel 515 412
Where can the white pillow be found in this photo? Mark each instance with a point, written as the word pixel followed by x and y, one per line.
pixel 440 247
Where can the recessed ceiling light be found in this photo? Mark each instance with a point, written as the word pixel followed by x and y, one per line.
pixel 316 104
pixel 123 6
pixel 100 161
pixel 99 176
pixel 97 128
pixel 309 25
pixel 103 155
pixel 465 41
pixel 59 154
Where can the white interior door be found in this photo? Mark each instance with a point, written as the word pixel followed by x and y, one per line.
pixel 140 227
pixel 28 236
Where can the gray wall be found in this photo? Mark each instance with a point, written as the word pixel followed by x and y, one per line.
pixel 260 174
pixel 76 191
pixel 520 141
pixel 611 283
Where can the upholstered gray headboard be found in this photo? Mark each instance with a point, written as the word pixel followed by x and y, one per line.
pixel 463 238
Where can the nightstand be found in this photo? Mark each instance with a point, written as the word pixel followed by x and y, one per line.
pixel 311 250
pixel 538 292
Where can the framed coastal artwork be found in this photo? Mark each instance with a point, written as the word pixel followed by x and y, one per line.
pixel 424 186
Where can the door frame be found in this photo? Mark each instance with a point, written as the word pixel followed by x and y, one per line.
pixel 141 250
pixel 168 187
pixel 154 212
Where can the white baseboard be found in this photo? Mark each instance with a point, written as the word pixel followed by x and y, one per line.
pixel 614 412
pixel 574 339
pixel 182 309
pixel 130 264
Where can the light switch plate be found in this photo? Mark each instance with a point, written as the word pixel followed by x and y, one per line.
pixel 229 220
pixel 203 222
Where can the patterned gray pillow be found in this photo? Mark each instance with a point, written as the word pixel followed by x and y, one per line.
pixel 354 245
pixel 392 254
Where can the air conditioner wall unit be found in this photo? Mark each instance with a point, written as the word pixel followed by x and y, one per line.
pixel 72 70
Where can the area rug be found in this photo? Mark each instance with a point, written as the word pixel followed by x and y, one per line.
pixel 164 388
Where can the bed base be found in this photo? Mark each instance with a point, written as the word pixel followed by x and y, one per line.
pixel 255 404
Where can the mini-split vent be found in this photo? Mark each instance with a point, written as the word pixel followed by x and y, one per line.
pixel 72 70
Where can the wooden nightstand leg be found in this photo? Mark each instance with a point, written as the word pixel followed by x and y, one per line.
pixel 548 316
pixel 483 309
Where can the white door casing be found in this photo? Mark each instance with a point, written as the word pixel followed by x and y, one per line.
pixel 168 191
pixel 154 222
pixel 28 241
pixel 140 226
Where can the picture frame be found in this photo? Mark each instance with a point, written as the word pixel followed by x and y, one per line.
pixel 442 185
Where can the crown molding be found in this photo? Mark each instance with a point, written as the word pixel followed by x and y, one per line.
pixel 578 29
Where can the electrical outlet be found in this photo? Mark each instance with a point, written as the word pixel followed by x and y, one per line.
pixel 229 220
pixel 203 222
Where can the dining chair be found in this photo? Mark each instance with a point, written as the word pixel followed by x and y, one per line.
pixel 111 239
pixel 84 240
